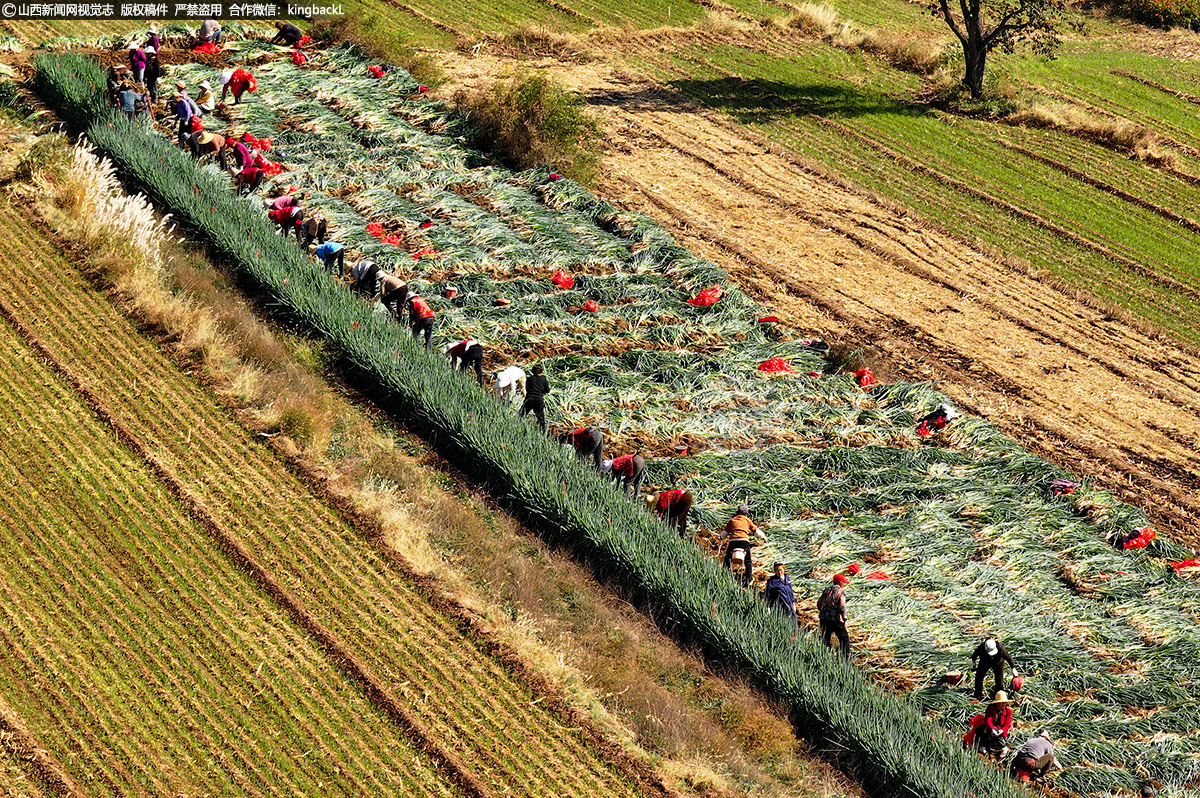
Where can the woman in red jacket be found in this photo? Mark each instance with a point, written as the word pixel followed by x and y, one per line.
pixel 673 506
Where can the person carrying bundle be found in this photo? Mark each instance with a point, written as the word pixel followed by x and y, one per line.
pixel 831 610
pixel 204 143
pixel 536 388
pixel 420 317
pixel 629 469
pixel 510 381
pixel 586 441
pixel 330 254
pixel 673 506
pixel 392 293
pixel 738 530
pixel 989 655
pixel 779 594
pixel 465 354
pixel 1035 759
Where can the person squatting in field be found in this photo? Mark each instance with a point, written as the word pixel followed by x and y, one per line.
pixel 673 506
pixel 587 441
pixel 536 388
pixel 466 354
pixel 420 317
pixel 629 469
pixel 738 530
pixel 510 382
pixel 831 609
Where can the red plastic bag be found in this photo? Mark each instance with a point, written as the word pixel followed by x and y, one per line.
pixel 563 280
pixel 375 71
pixel 196 124
pixel 766 319
pixel 1178 566
pixel 428 252
pixel 853 568
pixel 268 167
pixel 709 296
pixel 590 306
pixel 375 229
pixel 251 84
pixel 422 89
pixel 776 365
pixel 392 238
pixel 305 39
pixel 865 378
pixel 814 374
pixel 878 575
pixel 299 58
pixel 425 225
pixel 207 47
pixel 555 176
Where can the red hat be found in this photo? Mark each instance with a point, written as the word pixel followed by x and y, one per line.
pixel 841 579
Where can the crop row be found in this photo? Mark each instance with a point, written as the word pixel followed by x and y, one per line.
pixel 521 466
pixel 377 614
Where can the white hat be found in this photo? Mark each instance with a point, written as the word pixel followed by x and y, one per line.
pixel 204 84
pixel 411 295
pixel 226 76
pixel 153 27
pixel 149 49
pixel 133 45
pixel 606 466
pixel 991 647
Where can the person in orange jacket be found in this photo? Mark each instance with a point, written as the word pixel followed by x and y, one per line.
pixel 738 530
pixel 420 317
pixel 673 506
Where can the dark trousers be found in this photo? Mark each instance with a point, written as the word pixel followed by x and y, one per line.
pixel 733 546
pixel 197 152
pixel 1037 767
pixel 831 628
pixel 473 357
pixel 338 257
pixel 677 513
pixel 248 186
pixel 314 232
pixel 634 480
pixel 593 446
pixel 392 300
pixel 997 669
pixel 185 130
pixel 537 406
pixel 423 325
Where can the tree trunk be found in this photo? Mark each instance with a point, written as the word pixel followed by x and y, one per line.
pixel 975 54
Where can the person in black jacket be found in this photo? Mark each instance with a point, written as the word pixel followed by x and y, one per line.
pixel 991 656
pixel 778 593
pixel 288 35
pixel 536 388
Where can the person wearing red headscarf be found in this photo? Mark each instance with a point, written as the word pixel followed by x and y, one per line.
pixel 831 608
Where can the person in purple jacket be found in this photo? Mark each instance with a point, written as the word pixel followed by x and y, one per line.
pixel 137 62
pixel 241 154
pixel 152 38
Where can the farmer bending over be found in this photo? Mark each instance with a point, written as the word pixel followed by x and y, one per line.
pixel 536 388
pixel 587 441
pixel 1035 759
pixel 392 293
pixel 629 469
pixel 210 31
pixel 673 506
pixel 249 179
pixel 779 595
pixel 363 275
pixel 314 228
pixel 738 530
pixel 465 354
pixel 511 381
pixel 991 656
pixel 420 317
pixel 288 34
pixel 331 253
pixel 204 143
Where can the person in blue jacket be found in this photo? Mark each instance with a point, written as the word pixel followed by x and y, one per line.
pixel 332 252
pixel 778 593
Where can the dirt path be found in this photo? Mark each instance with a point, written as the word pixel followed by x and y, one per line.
pixel 1073 383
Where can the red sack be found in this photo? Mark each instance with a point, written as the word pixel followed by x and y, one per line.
pixel 554 176
pixel 207 47
pixel 924 431
pixel 391 238
pixel 775 365
pixel 251 84
pixel 865 378
pixel 196 124
pixel 428 252
pixel 878 575
pixel 422 89
pixel 590 306
pixel 1179 566
pixel 563 280
pixel 814 374
pixel 265 144
pixel 375 229
pixel 299 58
pixel 269 167
pixel 709 296
pixel 375 71
pixel 766 319
pixel 305 39
pixel 853 568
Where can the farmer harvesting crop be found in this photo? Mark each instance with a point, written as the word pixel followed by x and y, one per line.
pixel 363 275
pixel 288 218
pixel 331 253
pixel 210 31
pixel 779 595
pixel 511 381
pixel 392 292
pixel 154 71
pixel 137 62
pixel 127 100
pixel 183 111
pixel 288 34
pixel 465 354
pixel 536 388
pixel 239 81
pixel 629 469
pixel 248 180
pixel 420 317
pixel 935 420
pixel 673 506
pixel 152 38
pixel 831 609
pixel 204 143
pixel 738 530
pixel 991 656
pixel 990 730
pixel 206 99
pixel 1035 759
pixel 586 441
pixel 116 76
pixel 314 228
pixel 287 200
pixel 241 154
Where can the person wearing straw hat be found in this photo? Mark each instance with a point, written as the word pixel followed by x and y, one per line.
pixel 206 99
pixel 152 39
pixel 992 732
pixel 204 143
pixel 183 111
pixel 116 76
pixel 831 610
pixel 181 87
pixel 989 655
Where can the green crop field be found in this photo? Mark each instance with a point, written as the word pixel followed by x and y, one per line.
pixel 279 716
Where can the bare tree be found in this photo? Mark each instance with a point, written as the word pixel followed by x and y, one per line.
pixel 982 25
